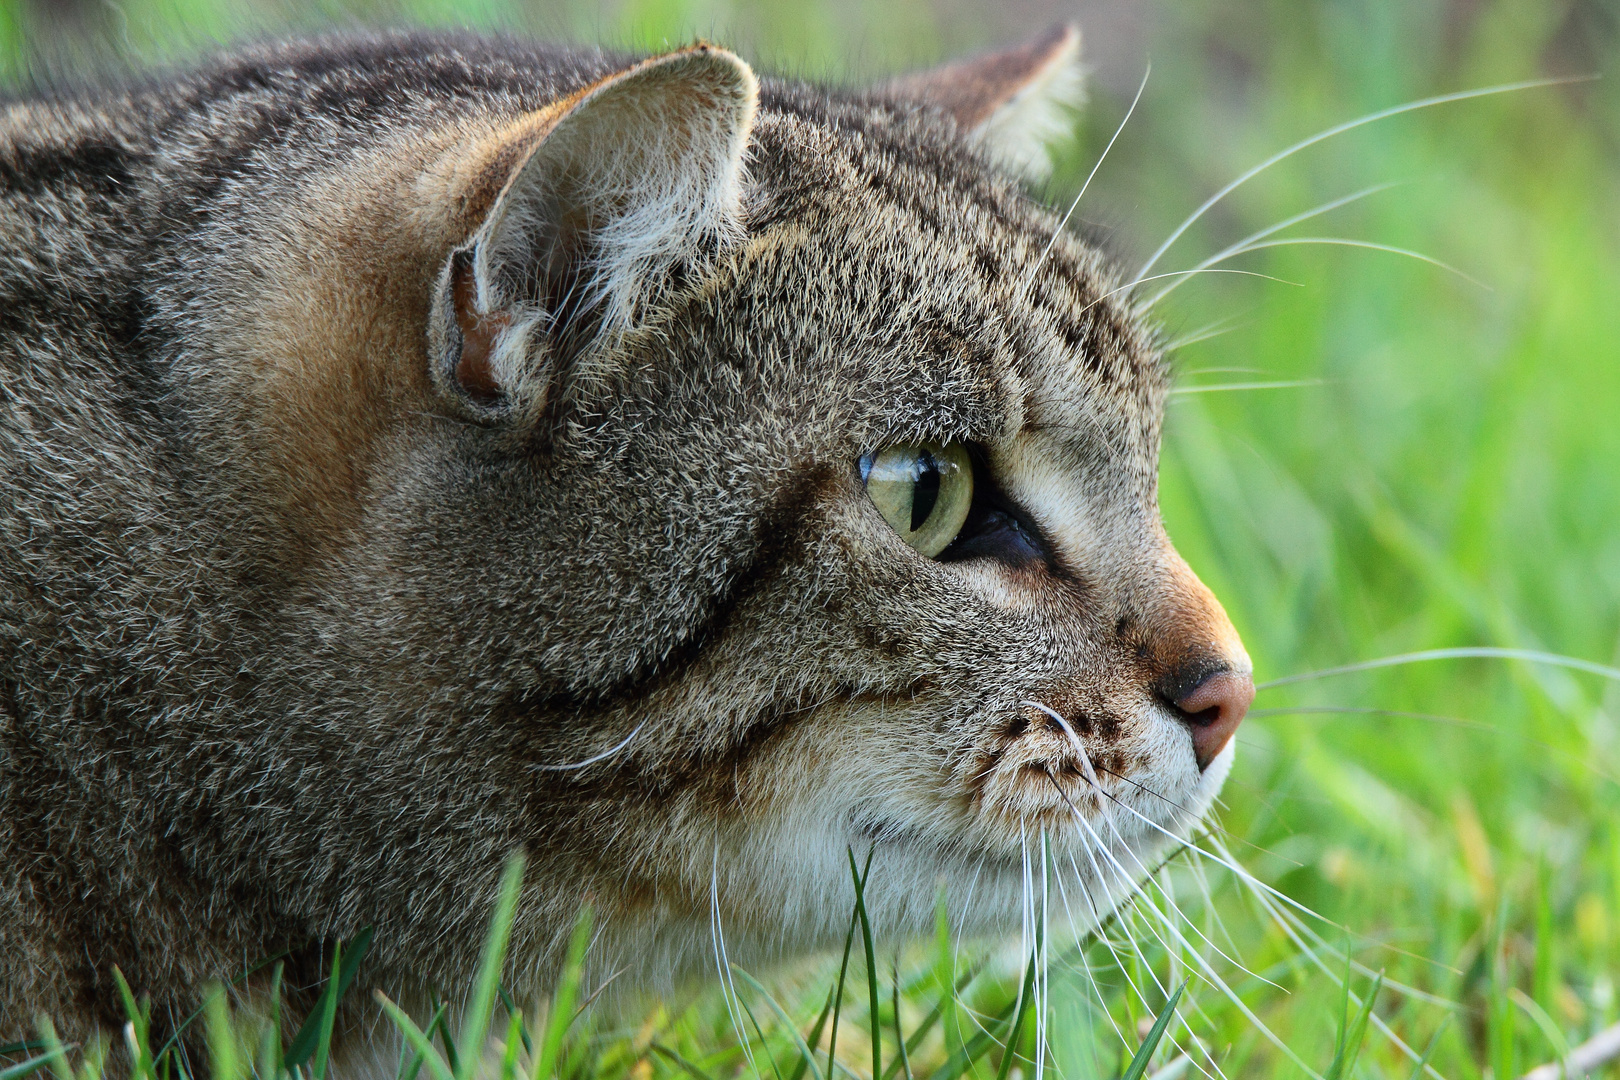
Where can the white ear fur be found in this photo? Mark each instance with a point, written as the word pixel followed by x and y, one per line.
pixel 1014 103
pixel 643 170
pixel 1023 129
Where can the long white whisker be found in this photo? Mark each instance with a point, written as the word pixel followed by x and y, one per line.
pixel 1085 964
pixel 1214 979
pixel 1043 975
pixel 1196 869
pixel 1203 333
pixel 1287 919
pixel 1337 129
pixel 1471 652
pixel 1271 230
pixel 1196 930
pixel 1184 274
pixel 1236 869
pixel 1129 890
pixel 593 760
pixel 1281 384
pixel 1108 943
pixel 1287 924
pixel 1435 718
pixel 1340 241
pixel 1104 157
pixel 723 964
pixel 1148 877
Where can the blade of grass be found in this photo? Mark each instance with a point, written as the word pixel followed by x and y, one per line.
pixel 27 1068
pixel 270 1041
pixel 135 1030
pixel 1549 1027
pixel 1428 1052
pixel 820 1025
pixel 806 1058
pixel 514 1039
pixel 915 1039
pixel 306 1043
pixel 224 1059
pixel 410 1070
pixel 763 1042
pixel 327 1014
pixel 523 1028
pixel 899 1034
pixel 876 1017
pixel 53 1047
pixel 452 1055
pixel 1352 1035
pixel 24 1047
pixel 675 1056
pixel 174 1038
pixel 843 971
pixel 962 1059
pixel 1025 992
pixel 562 1002
pixel 475 1025
pixel 417 1038
pixel 1161 1024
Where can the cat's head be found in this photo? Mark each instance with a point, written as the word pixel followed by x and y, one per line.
pixel 763 476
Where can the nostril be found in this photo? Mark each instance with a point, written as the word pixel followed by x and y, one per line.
pixel 1213 709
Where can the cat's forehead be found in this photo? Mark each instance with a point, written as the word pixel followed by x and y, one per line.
pixel 923 239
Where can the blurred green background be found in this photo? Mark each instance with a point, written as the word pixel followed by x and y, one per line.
pixel 1440 469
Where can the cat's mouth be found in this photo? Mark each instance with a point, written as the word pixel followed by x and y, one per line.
pixel 1044 775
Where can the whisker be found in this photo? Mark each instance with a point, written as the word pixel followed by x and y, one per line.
pixel 1453 721
pixel 1085 965
pixel 1287 384
pixel 1043 972
pixel 1287 926
pixel 604 755
pixel 1472 652
pixel 1270 230
pixel 1340 241
pixel 1206 824
pixel 1293 920
pixel 723 964
pixel 1328 133
pixel 1070 212
pixel 1218 950
pixel 1184 274
pixel 1236 868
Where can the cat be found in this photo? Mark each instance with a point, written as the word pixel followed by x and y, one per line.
pixel 419 448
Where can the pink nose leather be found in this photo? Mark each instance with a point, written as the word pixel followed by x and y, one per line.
pixel 1214 710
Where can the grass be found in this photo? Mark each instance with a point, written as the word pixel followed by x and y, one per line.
pixel 1427 463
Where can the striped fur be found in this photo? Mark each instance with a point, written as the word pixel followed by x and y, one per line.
pixel 297 627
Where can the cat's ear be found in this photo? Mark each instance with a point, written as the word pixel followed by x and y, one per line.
pixel 599 198
pixel 1014 103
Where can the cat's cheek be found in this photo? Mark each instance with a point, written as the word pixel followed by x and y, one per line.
pixel 1214 776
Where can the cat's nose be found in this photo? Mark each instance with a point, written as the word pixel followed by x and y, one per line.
pixel 1213 709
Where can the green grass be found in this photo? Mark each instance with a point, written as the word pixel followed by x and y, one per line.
pixel 1446 474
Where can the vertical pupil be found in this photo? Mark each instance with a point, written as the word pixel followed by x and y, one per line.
pixel 926 493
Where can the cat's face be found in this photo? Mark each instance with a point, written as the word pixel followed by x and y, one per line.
pixel 764 510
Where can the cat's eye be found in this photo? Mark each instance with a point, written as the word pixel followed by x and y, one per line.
pixel 924 491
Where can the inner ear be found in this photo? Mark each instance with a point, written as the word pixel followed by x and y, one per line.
pixel 633 177
pixel 474 371
pixel 1014 103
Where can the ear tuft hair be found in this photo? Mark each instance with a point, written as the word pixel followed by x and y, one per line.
pixel 1014 103
pixel 633 175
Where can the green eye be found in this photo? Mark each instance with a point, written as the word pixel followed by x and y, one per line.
pixel 924 491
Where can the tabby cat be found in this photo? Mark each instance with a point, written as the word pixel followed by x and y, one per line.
pixel 419 448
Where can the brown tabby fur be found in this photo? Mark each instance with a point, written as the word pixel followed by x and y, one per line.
pixel 313 568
